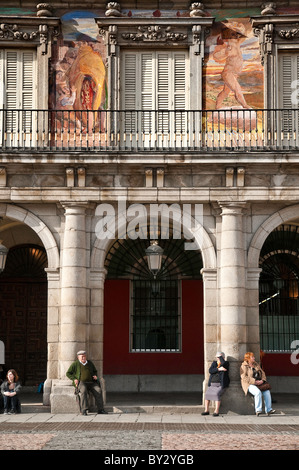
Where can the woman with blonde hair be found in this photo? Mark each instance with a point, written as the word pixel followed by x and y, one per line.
pixel 252 379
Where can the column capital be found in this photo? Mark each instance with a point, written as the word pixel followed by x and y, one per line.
pixel 98 275
pixel 253 274
pixel 75 207
pixel 232 207
pixel 209 274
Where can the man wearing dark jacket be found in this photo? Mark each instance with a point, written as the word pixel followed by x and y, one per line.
pixel 84 376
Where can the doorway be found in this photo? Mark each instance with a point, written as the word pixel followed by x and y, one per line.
pixel 23 313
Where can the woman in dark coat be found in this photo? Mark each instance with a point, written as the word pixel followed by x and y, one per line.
pixel 10 389
pixel 218 381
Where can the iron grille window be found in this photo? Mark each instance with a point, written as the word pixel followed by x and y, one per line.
pixel 155 315
pixel 279 314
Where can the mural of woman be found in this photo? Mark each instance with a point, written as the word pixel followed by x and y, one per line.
pixel 228 51
pixel 87 76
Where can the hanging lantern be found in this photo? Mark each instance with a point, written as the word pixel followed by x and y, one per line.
pixel 3 256
pixel 154 255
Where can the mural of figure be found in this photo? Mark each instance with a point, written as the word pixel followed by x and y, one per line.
pixel 228 51
pixel 87 74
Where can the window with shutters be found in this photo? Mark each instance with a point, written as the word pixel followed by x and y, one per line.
pixel 288 96
pixel 155 97
pixel 18 95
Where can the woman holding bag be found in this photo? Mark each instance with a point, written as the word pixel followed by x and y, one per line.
pixel 254 381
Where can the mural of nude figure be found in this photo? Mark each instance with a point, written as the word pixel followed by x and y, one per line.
pixel 228 51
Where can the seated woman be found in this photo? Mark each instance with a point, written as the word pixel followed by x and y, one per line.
pixel 252 376
pixel 10 389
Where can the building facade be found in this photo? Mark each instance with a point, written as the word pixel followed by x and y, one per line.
pixel 125 125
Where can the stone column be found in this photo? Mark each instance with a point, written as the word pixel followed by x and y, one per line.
pixel 253 311
pixel 96 321
pixel 53 276
pixel 73 305
pixel 232 298
pixel 73 320
pixel 210 318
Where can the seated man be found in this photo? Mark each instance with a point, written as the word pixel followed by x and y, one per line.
pixel 84 376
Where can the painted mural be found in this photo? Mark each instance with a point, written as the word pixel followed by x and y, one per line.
pixel 232 75
pixel 80 74
pixel 233 70
pixel 233 83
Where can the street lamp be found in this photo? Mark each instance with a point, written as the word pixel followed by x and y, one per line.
pixel 154 255
pixel 3 256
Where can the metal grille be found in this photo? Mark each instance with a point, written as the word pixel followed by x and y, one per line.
pixel 279 287
pixel 155 315
pixel 279 314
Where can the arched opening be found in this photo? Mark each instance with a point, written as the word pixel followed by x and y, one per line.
pixel 153 325
pixel 278 299
pixel 279 282
pixel 23 312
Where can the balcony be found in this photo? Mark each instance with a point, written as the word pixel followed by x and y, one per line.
pixel 247 130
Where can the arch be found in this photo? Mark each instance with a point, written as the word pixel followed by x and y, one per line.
pixel 39 227
pixel 200 235
pixel 276 219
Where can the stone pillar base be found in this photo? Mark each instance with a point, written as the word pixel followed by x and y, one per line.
pixel 63 398
pixel 47 392
pixel 234 401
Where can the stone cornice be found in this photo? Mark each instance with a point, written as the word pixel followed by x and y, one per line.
pixel 125 31
pixel 275 29
pixel 28 29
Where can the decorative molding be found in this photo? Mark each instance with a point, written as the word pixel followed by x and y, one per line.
pixel 268 9
pixel 44 9
pixel 11 32
pixel 155 33
pixel 113 9
pixel 274 29
pixel 288 34
pixel 123 31
pixel 197 9
pixel 39 30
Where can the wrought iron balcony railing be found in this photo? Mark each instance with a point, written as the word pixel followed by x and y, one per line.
pixel 104 131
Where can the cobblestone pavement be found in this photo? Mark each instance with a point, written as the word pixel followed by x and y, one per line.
pixel 148 440
pixel 149 436
pixel 163 433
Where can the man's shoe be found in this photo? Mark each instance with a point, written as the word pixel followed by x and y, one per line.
pixel 84 413
pixel 258 413
pixel 102 412
pixel 271 412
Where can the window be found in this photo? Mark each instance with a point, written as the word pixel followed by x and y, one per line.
pixel 18 95
pixel 155 316
pixel 279 289
pixel 155 96
pixel 288 96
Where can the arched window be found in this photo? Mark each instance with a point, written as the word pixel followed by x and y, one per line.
pixel 279 283
pixel 155 303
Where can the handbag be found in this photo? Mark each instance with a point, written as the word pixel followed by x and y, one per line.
pixel 258 376
pixel 263 387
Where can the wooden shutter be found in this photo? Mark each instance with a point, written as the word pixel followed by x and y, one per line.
pixel 18 68
pixel 155 83
pixel 154 80
pixel 288 98
pixel 146 62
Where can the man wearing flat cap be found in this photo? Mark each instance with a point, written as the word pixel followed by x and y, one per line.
pixel 84 376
